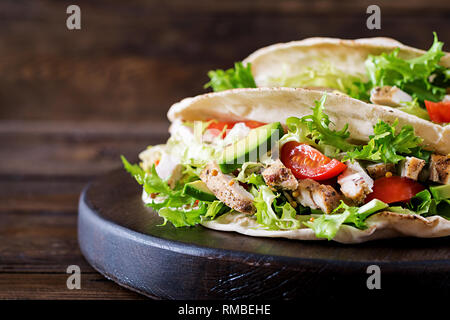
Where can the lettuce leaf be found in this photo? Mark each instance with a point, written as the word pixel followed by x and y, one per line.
pixel 180 217
pixel 414 108
pixel 238 77
pixel 384 145
pixel 215 209
pixel 250 173
pixel 327 225
pixel 175 207
pixel 284 215
pixel 325 75
pixel 387 146
pixel 425 204
pixel 410 75
pixel 298 131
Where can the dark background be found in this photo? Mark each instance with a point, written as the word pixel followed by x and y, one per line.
pixel 72 101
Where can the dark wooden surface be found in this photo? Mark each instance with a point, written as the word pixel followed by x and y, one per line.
pixel 72 101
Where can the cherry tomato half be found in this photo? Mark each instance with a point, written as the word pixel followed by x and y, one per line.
pixel 439 112
pixel 394 189
pixel 307 162
pixel 219 126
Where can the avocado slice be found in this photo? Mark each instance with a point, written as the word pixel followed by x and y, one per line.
pixel 198 190
pixel 258 142
pixel 441 192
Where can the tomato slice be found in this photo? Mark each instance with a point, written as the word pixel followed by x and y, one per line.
pixel 307 162
pixel 219 126
pixel 394 189
pixel 439 112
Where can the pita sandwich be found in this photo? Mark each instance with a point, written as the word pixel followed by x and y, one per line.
pixel 299 164
pixel 379 71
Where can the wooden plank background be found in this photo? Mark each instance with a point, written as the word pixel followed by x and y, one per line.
pixel 72 101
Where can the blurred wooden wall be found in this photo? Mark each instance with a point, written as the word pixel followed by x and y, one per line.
pixel 133 59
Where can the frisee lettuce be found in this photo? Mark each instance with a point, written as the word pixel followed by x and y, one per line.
pixel 238 77
pixel 180 217
pixel 327 225
pixel 425 204
pixel 250 173
pixel 319 128
pixel 215 209
pixel 298 131
pixel 324 75
pixel 315 131
pixel 385 144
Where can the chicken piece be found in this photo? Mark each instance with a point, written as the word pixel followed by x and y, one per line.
pixel 411 167
pixel 355 182
pixel 379 170
pixel 389 96
pixel 440 168
pixel 278 176
pixel 316 196
pixel 227 190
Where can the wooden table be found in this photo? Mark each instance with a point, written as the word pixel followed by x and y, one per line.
pixel 72 101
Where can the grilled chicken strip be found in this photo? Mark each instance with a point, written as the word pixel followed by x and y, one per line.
pixel 379 170
pixel 440 168
pixel 314 195
pixel 389 96
pixel 355 182
pixel 411 167
pixel 279 177
pixel 227 190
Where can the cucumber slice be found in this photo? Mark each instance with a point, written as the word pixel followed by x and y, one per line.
pixel 199 190
pixel 258 142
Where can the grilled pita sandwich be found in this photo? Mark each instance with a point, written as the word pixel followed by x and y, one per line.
pixel 300 164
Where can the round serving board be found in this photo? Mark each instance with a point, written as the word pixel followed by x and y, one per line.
pixel 124 240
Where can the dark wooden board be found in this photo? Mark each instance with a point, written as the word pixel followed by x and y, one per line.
pixel 124 240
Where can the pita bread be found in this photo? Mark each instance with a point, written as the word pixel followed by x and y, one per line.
pixel 277 104
pixel 348 56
